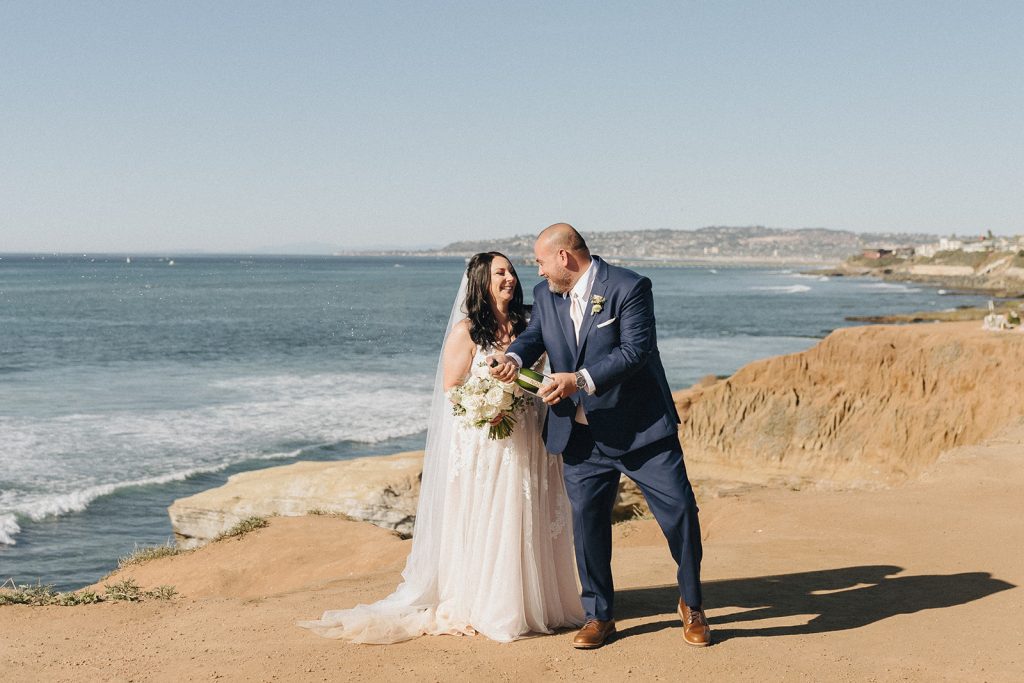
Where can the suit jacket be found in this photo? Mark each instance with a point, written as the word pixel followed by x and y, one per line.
pixel 632 405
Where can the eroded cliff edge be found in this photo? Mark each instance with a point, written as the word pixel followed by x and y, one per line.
pixel 867 406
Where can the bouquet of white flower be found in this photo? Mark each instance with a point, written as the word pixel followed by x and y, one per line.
pixel 482 399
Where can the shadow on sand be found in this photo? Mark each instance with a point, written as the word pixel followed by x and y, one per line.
pixel 830 600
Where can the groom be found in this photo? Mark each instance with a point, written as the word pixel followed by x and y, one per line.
pixel 610 413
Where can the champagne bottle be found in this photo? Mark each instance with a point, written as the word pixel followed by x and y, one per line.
pixel 529 380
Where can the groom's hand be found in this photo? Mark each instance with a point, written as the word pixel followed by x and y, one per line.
pixel 563 385
pixel 503 368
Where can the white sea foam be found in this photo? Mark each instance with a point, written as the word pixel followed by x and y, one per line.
pixel 59 465
pixel 8 528
pixel 785 289
pixel 888 287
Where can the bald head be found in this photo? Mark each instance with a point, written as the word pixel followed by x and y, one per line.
pixel 562 256
pixel 563 236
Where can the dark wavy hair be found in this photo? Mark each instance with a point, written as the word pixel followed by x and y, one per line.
pixel 483 325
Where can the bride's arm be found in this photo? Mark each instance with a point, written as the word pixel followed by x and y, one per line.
pixel 459 350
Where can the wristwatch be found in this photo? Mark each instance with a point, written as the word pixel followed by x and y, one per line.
pixel 581 381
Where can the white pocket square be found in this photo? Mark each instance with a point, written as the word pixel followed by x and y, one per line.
pixel 607 322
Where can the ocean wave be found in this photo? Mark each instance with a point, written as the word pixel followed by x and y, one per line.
pixel 889 287
pixel 37 508
pixel 8 528
pixel 58 465
pixel 785 289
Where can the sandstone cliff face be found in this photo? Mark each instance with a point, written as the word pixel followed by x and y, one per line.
pixel 867 406
pixel 381 490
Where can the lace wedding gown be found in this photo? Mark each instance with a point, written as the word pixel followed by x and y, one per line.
pixel 505 564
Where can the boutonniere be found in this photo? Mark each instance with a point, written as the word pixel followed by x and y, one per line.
pixel 596 304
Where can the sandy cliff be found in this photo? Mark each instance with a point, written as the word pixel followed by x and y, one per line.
pixel 912 583
pixel 867 406
pixel 918 582
pixel 380 490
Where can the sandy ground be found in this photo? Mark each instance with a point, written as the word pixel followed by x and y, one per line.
pixel 918 583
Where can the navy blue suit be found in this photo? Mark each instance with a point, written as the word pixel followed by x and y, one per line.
pixel 633 426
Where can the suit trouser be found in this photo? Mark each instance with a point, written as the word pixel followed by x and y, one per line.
pixel 592 482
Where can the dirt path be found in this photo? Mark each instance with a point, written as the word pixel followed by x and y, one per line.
pixel 917 583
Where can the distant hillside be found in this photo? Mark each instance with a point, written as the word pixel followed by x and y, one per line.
pixel 1000 273
pixel 723 244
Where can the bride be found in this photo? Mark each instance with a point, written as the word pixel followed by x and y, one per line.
pixel 492 546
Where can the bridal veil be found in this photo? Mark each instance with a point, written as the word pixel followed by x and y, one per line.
pixel 408 612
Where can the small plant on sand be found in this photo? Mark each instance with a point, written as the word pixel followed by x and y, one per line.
pixel 242 528
pixel 78 598
pixel 27 594
pixel 129 591
pixel 147 553
pixel 320 512
pixel 41 595
pixel 162 592
pixel 123 591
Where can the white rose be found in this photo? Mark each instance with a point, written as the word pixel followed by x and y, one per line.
pixel 489 412
pixel 506 401
pixel 495 395
pixel 481 370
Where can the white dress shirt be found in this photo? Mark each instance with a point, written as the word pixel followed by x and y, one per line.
pixel 582 289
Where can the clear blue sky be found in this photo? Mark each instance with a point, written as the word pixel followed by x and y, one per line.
pixel 236 125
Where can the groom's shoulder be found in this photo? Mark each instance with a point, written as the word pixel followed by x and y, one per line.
pixel 621 274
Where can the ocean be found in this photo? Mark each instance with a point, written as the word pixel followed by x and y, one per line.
pixel 128 382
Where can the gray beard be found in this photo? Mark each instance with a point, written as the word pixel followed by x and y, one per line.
pixel 556 288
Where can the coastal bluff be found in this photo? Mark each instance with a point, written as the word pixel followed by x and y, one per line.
pixel 866 407
pixel 381 490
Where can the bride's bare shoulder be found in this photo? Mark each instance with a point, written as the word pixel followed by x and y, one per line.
pixel 460 333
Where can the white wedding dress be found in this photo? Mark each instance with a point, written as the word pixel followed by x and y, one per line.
pixel 492 546
pixel 506 562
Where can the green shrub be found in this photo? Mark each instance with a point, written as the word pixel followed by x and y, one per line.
pixel 147 553
pixel 242 528
pixel 41 595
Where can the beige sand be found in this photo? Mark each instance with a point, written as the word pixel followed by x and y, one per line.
pixel 912 583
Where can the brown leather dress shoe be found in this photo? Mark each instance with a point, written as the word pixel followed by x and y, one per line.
pixel 696 631
pixel 594 634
